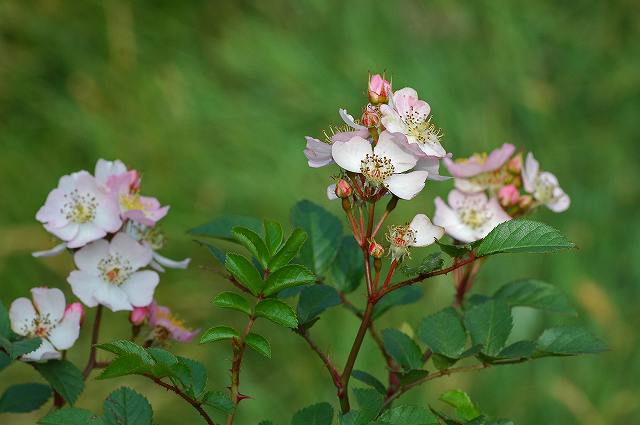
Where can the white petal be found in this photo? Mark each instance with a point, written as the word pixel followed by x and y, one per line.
pixel 348 119
pixel 406 186
pixel 137 254
pixel 66 233
pixel 49 301
pixel 172 264
pixel 457 198
pixel 530 172
pixel 433 149
pixel 140 286
pixel 431 164
pixel 425 232
pixel 498 215
pixel 390 145
pixel 105 169
pixel 331 192
pixel 84 286
pixel 318 153
pixel 349 155
pixel 87 232
pixel 45 352
pixel 108 214
pixel 561 201
pixel 58 249
pixel 391 120
pixel 468 186
pixel 113 297
pixel 22 315
pixel 89 256
pixel 446 217
pixel 65 334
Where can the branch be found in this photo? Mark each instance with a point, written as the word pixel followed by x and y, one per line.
pixel 333 371
pixel 196 404
pixel 91 363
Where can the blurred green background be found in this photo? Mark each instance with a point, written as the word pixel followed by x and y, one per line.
pixel 212 100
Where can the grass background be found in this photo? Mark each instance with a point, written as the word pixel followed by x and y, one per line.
pixel 212 100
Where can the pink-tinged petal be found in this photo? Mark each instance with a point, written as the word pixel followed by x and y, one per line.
pixel 138 255
pixel 468 186
pixel 108 214
pixel 431 164
pixel 49 302
pixel 113 297
pixel 498 157
pixel 172 264
pixel 331 192
pixel 349 155
pixel 58 249
pixel 140 287
pixel 348 119
pixel 457 198
pixel 74 308
pixel 105 169
pixel 425 232
pixel 87 232
pixel 498 215
pixel 50 212
pixel 45 352
pixel 407 186
pixel 477 165
pixel 22 315
pixel 89 256
pixel 433 148
pixel 466 168
pixel 318 153
pixel 84 285
pixel 560 202
pixel 65 334
pixel 139 315
pixel 508 195
pixel 67 232
pixel 392 146
pixel 530 173
pixel 345 136
pixel 404 96
pixel 391 120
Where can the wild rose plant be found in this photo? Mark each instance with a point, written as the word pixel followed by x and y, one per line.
pixel 389 154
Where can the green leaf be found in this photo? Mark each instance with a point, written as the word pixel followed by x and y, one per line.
pixel 412 376
pixel 23 398
pixel 5 360
pixel 124 406
pixel 278 312
pixel 409 415
pixel 462 403
pixel 71 416
pixel 314 300
pixel 273 236
pixel 192 376
pixel 402 348
pixel 316 414
pixel 454 251
pixel 18 348
pixel 127 364
pixel 442 362
pixel 370 380
pixel 402 296
pixel 523 236
pixel 287 277
pixel 259 344
pixel 535 294
pixel 5 324
pixel 518 350
pixel 370 402
pixel 232 301
pixel 568 341
pixel 489 324
pixel 244 272
pixel 325 233
pixel 289 250
pixel 347 271
pixel 64 377
pixel 164 362
pixel 443 333
pixel 124 347
pixel 220 228
pixel 219 400
pixel 218 333
pixel 253 242
pixel 431 262
pixel 217 253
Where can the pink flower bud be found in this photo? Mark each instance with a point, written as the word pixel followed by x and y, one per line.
pixel 375 249
pixel 515 164
pixel 379 89
pixel 76 308
pixel 343 189
pixel 508 195
pixel 371 117
pixel 139 315
pixel 525 202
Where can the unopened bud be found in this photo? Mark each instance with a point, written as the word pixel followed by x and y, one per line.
pixel 370 117
pixel 508 195
pixel 75 308
pixel 515 164
pixel 375 249
pixel 525 202
pixel 343 189
pixel 379 89
pixel 139 315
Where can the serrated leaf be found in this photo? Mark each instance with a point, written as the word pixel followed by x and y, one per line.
pixel 232 301
pixel 370 402
pixel 64 377
pixel 462 403
pixel 5 324
pixel 535 294
pixel 124 347
pixel 523 236
pixel 409 415
pixel 412 376
pixel 402 296
pixel 71 416
pixel 325 233
pixel 316 414
pixel 18 348
pixel 125 406
pixel 244 272
pixel 278 312
pixel 219 400
pixel 431 262
pixel 192 376
pixel 127 364
pixel 287 277
pixel 443 333
pixel 454 251
pixel 289 250
pixel 442 362
pixel 218 333
pixel 347 271
pixel 370 380
pixel 23 398
pixel 568 341
pixel 220 228
pixel 259 344
pixel 402 348
pixel 489 324
pixel 253 242
pixel 314 300
pixel 164 362
pixel 273 235
pixel 217 253
pixel 518 350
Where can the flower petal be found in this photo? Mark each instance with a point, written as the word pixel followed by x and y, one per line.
pixel 348 119
pixel 406 186
pixel 425 232
pixel 49 302
pixel 530 173
pixel 87 232
pixel 65 334
pixel 318 153
pixel 140 286
pixel 349 155
pixel 58 249
pixel 391 146
pixel 84 286
pixel 45 352
pixel 105 169
pixel 113 297
pixel 331 192
pixel 22 315
pixel 561 201
pixel 88 257
pixel 431 164
pixel 172 264
pixel 137 254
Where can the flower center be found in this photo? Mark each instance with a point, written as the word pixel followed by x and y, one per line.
pixel 474 213
pixel 114 269
pixel 79 207
pixel 40 326
pixel 544 190
pixel 401 236
pixel 131 202
pixel 152 235
pixel 376 169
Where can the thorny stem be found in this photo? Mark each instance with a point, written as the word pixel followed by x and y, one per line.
pixel 239 346
pixel 196 404
pixel 467 280
pixel 333 371
pixel 91 363
pixel 392 270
